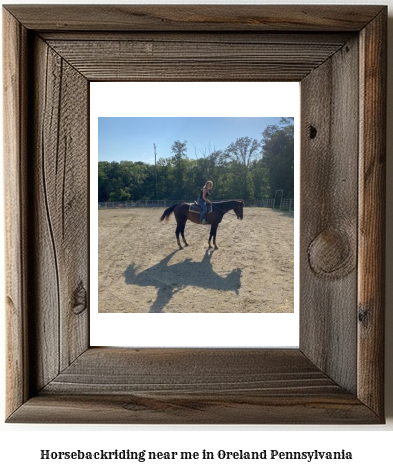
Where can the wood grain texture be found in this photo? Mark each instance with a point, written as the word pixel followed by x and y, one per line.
pixel 202 37
pixel 329 216
pixel 198 385
pixel 59 189
pixel 186 371
pixel 335 377
pixel 14 73
pixel 371 262
pixel 195 17
pixel 219 59
pixel 239 409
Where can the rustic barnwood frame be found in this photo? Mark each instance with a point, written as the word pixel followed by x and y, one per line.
pixel 338 54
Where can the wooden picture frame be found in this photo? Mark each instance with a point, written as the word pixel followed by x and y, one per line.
pixel 338 54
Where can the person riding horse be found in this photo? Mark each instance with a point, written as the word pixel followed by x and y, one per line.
pixel 182 214
pixel 202 200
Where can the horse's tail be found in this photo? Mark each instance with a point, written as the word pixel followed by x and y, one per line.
pixel 168 212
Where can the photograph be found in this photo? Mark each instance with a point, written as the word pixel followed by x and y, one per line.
pixel 196 214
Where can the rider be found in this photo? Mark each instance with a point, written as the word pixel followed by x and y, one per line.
pixel 202 200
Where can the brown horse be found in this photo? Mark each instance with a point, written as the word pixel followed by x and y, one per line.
pixel 182 213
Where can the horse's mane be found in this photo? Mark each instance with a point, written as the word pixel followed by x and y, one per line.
pixel 230 201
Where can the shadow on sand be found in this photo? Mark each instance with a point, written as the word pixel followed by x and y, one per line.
pixel 169 279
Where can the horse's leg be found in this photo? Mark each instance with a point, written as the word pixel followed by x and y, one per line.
pixel 177 235
pixel 214 237
pixel 182 235
pixel 181 220
pixel 213 232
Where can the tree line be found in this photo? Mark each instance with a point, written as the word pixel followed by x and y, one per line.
pixel 247 169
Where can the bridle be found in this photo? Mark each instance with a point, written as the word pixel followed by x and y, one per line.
pixel 226 212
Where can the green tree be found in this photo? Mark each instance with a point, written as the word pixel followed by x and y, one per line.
pixel 179 155
pixel 259 176
pixel 278 156
pixel 211 167
pixel 243 153
pixel 109 179
pixel 163 178
pixel 120 195
pixel 142 181
pixel 103 181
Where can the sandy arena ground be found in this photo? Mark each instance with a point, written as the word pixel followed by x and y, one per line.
pixel 141 269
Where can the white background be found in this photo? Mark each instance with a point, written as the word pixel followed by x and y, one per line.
pixel 203 99
pixel 371 445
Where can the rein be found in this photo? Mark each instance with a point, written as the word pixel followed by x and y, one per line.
pixel 225 212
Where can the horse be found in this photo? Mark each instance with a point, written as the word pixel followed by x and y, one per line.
pixel 219 209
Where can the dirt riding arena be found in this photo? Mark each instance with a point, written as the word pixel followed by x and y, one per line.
pixel 142 270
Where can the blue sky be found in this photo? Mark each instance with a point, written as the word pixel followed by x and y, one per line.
pixel 129 138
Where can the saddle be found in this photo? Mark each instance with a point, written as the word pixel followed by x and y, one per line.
pixel 194 207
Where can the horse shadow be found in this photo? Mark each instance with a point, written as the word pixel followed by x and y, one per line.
pixel 169 279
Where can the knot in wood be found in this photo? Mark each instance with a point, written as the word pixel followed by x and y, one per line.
pixel 80 299
pixel 364 316
pixel 313 132
pixel 330 254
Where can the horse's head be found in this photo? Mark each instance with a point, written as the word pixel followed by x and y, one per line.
pixel 239 209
